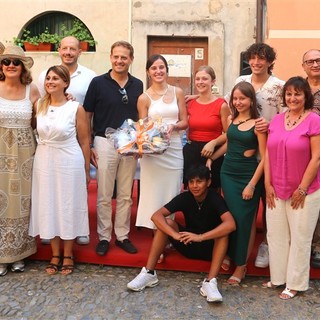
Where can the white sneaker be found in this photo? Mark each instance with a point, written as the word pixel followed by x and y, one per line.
pixel 143 280
pixel 210 290
pixel 83 240
pixel 262 259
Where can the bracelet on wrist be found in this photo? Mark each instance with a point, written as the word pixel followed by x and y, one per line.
pixel 251 186
pixel 91 145
pixel 302 191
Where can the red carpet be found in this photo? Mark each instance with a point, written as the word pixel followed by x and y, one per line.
pixel 142 238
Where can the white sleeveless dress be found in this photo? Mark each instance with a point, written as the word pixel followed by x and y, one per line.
pixel 161 175
pixel 59 191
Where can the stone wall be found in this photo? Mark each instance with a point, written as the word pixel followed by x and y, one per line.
pixel 228 25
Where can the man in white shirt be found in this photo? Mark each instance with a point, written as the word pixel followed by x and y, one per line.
pixel 69 52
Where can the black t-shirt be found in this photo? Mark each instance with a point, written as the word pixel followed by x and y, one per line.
pixel 203 220
pixel 105 101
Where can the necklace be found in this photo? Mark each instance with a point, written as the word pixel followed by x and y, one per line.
pixel 199 204
pixel 243 121
pixel 291 124
pixel 52 108
pixel 162 94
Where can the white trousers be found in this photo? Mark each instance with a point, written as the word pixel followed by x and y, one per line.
pixel 316 237
pixel 111 167
pixel 289 234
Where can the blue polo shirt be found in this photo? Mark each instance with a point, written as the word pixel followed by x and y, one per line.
pixel 104 99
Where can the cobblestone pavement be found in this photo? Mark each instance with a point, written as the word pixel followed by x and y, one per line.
pixel 99 292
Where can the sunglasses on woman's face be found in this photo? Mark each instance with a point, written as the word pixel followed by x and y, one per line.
pixel 7 62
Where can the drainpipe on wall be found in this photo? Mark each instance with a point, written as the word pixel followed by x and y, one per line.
pixel 130 21
pixel 130 26
pixel 260 20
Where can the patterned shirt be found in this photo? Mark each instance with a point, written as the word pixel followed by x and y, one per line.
pixel 269 96
pixel 316 103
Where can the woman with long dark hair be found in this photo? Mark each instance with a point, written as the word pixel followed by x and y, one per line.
pixel 161 175
pixel 241 174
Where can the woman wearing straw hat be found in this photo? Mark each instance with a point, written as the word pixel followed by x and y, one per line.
pixel 17 147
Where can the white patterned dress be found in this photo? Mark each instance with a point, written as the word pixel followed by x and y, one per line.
pixel 59 190
pixel 161 175
pixel 17 146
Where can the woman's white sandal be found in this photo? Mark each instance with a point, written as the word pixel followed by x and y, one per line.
pixel 289 294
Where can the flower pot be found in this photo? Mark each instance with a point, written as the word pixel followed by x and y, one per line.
pixel 40 47
pixel 84 45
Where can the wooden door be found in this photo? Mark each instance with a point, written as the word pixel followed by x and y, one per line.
pixel 184 55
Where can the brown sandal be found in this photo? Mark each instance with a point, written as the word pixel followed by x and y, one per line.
pixel 68 268
pixel 53 266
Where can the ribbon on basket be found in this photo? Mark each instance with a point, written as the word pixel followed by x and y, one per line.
pixel 145 136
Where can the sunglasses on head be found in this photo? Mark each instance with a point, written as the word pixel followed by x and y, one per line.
pixel 7 62
pixel 125 98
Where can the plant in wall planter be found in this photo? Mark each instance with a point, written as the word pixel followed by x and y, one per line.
pixel 44 41
pixel 84 45
pixel 81 32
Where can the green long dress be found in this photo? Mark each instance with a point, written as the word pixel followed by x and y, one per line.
pixel 236 172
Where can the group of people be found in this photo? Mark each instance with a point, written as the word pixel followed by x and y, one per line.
pixel 259 142
pixel 266 132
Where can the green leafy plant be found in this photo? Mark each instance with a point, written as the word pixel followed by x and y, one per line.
pixel 79 31
pixel 44 37
pixel 17 41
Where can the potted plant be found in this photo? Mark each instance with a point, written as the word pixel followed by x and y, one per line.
pixel 81 32
pixel 44 41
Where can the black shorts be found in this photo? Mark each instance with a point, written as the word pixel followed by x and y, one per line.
pixel 195 250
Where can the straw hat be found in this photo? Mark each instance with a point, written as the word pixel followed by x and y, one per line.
pixel 16 52
pixel 1 47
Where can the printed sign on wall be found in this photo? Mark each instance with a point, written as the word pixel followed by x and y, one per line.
pixel 179 65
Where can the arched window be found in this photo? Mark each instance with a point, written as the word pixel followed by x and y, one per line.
pixel 59 24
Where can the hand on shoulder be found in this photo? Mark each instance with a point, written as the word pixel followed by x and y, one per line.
pixel 261 125
pixel 189 97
